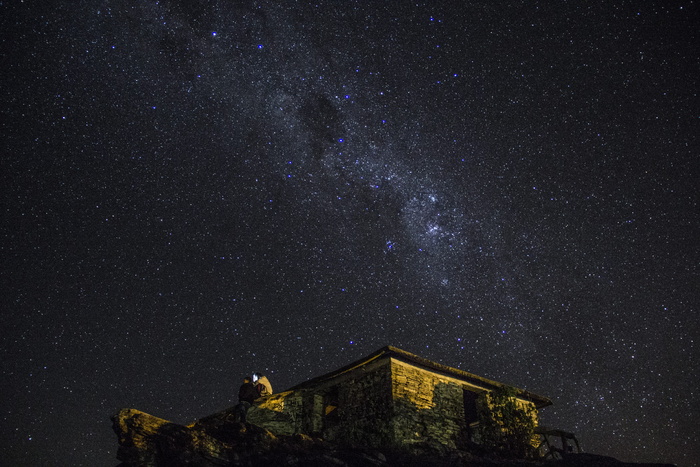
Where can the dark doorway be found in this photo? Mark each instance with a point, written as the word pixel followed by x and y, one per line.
pixel 470 413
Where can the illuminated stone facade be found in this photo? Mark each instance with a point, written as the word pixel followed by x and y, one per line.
pixel 390 398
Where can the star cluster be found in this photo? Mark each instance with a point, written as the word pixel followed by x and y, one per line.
pixel 194 191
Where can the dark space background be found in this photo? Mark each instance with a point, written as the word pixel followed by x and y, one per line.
pixel 196 190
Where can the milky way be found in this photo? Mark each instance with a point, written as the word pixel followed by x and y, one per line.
pixel 194 191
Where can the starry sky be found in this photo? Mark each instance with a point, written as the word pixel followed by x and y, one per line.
pixel 196 190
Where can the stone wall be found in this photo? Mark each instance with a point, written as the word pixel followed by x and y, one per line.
pixel 364 407
pixel 428 408
pixel 352 408
pixel 386 402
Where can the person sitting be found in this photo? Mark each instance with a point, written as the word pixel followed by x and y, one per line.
pixel 247 394
pixel 262 384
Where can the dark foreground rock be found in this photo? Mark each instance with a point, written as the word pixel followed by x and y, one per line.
pixel 217 440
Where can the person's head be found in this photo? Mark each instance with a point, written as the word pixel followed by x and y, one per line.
pixel 246 379
pixel 256 376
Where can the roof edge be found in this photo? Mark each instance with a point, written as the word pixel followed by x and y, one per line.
pixel 538 400
pixel 407 357
pixel 373 356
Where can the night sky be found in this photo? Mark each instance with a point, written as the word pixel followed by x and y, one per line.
pixel 195 190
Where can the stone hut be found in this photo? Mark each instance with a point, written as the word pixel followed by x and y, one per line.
pixel 389 398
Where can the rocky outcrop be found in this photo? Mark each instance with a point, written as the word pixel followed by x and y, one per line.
pixel 217 440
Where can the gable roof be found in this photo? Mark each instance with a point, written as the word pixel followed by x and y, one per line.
pixel 407 357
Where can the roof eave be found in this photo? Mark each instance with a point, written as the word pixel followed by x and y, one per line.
pixel 407 357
